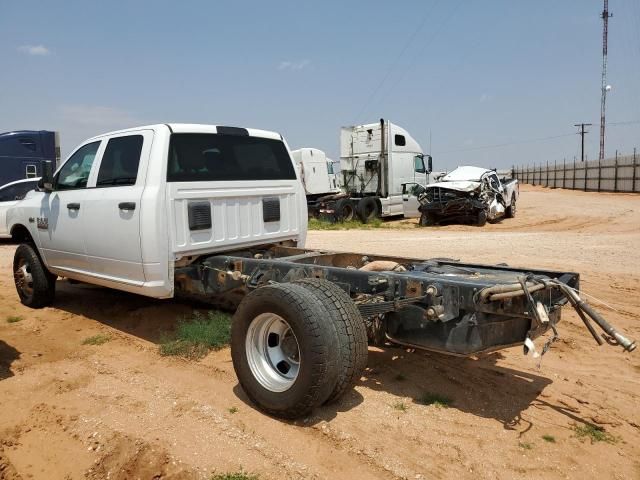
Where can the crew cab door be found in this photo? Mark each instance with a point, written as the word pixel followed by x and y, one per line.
pixel 60 221
pixel 112 209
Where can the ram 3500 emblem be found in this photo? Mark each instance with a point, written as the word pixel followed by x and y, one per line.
pixel 43 223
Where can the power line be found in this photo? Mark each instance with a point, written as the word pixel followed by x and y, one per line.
pixel 397 59
pixel 517 142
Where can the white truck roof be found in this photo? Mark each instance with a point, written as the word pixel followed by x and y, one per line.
pixel 194 128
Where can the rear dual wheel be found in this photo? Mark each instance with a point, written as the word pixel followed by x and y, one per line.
pixel 296 346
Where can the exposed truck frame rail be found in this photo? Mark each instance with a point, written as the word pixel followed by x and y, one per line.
pixel 438 304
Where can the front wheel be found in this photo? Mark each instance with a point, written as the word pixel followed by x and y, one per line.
pixel 284 352
pixel 427 219
pixel 35 285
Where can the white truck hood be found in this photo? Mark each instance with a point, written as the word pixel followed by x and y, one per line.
pixel 461 185
pixel 471 174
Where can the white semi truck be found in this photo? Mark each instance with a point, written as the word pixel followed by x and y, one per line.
pixel 376 160
pixel 219 214
pixel 318 175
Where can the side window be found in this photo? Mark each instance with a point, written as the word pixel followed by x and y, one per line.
pixel 75 172
pixel 330 168
pixel 16 191
pixel 120 161
pixel 31 171
pixel 7 194
pixel 400 141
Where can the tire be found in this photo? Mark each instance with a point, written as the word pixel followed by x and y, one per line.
pixel 284 323
pixel 511 209
pixel 351 330
pixel 482 218
pixel 427 220
pixel 35 285
pixel 344 210
pixel 368 209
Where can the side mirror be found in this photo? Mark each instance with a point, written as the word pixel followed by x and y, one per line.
pixel 429 164
pixel 46 181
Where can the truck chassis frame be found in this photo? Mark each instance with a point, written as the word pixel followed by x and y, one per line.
pixel 438 304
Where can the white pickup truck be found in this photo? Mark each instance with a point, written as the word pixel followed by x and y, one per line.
pixel 219 214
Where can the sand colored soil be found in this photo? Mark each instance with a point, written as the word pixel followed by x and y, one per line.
pixel 121 411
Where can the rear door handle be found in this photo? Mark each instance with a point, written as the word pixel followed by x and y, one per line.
pixel 127 205
pixel 73 206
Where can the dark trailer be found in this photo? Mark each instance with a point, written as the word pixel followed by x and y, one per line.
pixel 22 153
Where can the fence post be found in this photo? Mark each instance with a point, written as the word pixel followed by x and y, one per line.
pixel 585 174
pixel 599 172
pixel 555 173
pixel 564 170
pixel 615 174
pixel 546 175
pixel 633 175
pixel 573 183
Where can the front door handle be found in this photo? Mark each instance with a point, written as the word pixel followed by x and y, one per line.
pixel 73 206
pixel 127 205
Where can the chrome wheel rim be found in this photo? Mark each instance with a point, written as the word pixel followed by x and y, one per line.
pixel 23 278
pixel 273 352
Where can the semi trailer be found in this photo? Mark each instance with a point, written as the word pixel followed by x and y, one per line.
pixel 218 214
pixel 22 153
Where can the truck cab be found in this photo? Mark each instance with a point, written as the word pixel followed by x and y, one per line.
pixel 22 152
pixel 127 206
pixel 376 160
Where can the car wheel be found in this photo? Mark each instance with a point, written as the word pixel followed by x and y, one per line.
pixel 482 218
pixel 35 285
pixel 368 209
pixel 284 352
pixel 351 330
pixel 511 209
pixel 344 210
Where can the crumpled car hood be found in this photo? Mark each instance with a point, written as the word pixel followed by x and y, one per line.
pixel 461 186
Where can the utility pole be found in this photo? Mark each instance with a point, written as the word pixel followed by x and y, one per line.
pixel 581 133
pixel 605 33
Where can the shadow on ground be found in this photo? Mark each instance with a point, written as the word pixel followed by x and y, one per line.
pixel 8 355
pixel 480 386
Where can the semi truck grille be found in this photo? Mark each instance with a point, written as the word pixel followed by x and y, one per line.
pixel 199 216
pixel 271 209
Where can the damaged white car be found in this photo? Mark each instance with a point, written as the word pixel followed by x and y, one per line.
pixel 468 195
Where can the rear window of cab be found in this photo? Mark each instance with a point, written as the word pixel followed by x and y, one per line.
pixel 202 157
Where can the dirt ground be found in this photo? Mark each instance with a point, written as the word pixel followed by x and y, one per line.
pixel 119 410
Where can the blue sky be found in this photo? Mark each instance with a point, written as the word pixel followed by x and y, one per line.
pixel 471 73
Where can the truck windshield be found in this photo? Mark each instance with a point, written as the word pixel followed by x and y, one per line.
pixel 197 157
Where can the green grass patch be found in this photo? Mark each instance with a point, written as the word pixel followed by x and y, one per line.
pixel 233 410
pixel 14 318
pixel 435 399
pixel 549 438
pixel 234 476
pixel 316 224
pixel 400 406
pixel 594 433
pixel 195 337
pixel 525 445
pixel 98 339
